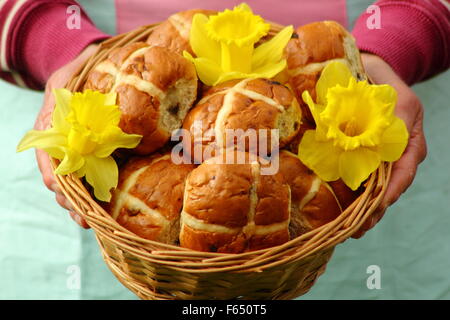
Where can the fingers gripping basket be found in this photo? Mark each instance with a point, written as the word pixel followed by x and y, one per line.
pixel 153 270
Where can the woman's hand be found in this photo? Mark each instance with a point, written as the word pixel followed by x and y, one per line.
pixel 58 80
pixel 410 109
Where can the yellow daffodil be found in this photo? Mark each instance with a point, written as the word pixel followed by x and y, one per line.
pixel 224 46
pixel 83 136
pixel 356 127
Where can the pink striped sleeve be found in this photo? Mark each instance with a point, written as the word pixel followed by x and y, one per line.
pixel 8 9
pixel 413 36
pixel 36 39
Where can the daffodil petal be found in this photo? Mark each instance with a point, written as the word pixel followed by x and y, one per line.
pixel 320 157
pixel 110 98
pixel 72 162
pixel 51 141
pixel 89 110
pixel 62 110
pixel 271 51
pixel 102 174
pixel 80 173
pixel 306 96
pixel 334 73
pixel 270 70
pixel 394 141
pixel 356 166
pixel 387 95
pixel 315 109
pixel 207 70
pixel 111 115
pixel 244 7
pixel 234 75
pixel 200 43
pixel 118 139
pixel 236 58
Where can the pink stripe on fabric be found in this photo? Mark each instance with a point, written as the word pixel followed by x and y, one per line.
pixel 134 13
pixel 414 37
pixel 39 48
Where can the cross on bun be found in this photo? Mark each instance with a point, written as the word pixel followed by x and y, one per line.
pixel 174 32
pixel 155 89
pixel 241 105
pixel 149 197
pixel 234 208
pixel 313 46
pixel 224 207
pixel 314 202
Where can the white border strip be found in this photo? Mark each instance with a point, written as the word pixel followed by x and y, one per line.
pixel 2 3
pixel 446 4
pixel 18 79
pixel 3 64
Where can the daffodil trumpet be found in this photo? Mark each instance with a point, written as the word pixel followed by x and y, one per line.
pixel 356 128
pixel 83 136
pixel 224 45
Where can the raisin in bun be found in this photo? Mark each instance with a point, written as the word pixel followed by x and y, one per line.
pixel 314 202
pixel 155 89
pixel 240 105
pixel 313 46
pixel 174 32
pixel 233 208
pixel 149 197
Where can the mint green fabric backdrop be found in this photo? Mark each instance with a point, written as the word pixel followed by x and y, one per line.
pixel 42 249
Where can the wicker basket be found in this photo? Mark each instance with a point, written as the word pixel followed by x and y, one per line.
pixel 154 270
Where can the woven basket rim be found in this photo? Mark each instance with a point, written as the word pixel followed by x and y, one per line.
pixel 186 260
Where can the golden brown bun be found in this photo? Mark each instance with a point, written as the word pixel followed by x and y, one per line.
pixel 149 197
pixel 174 32
pixel 241 104
pixel 234 208
pixel 313 201
pixel 293 146
pixel 155 89
pixel 315 45
pixel 344 194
